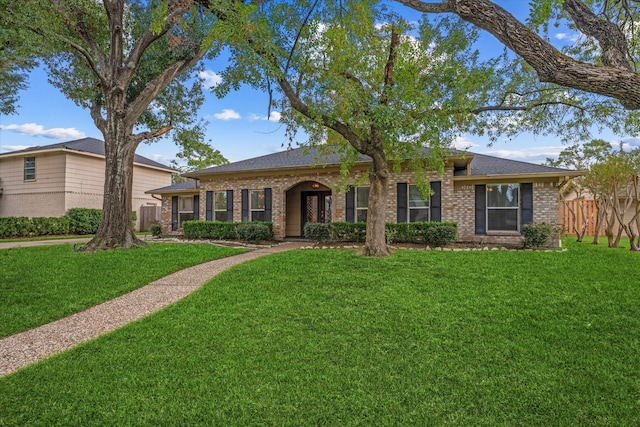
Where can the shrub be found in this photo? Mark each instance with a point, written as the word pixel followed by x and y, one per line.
pixel 252 232
pixel 14 226
pixel 317 231
pixel 349 231
pixel 402 232
pixel 41 226
pixel 439 233
pixel 84 220
pixel 539 235
pixel 218 229
pixel 156 230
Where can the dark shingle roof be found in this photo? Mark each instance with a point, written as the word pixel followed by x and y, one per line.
pixel 88 145
pixel 481 164
pixel 181 186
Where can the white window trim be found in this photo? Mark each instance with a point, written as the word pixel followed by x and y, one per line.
pixel 366 208
pixel 517 209
pixel 24 170
pixel 409 208
pixel 217 208
pixel 251 208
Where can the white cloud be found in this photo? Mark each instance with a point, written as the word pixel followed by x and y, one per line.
pixel 9 148
pixel 568 37
pixel 273 117
pixel 161 158
pixel 463 143
pixel 227 114
pixel 210 78
pixel 34 129
pixel 531 155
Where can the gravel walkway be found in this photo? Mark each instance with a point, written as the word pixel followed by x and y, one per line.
pixel 35 344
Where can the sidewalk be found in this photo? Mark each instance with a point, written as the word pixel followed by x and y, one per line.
pixel 35 344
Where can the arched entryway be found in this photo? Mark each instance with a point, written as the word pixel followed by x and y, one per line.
pixel 308 201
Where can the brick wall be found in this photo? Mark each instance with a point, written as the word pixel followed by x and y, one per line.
pixel 458 199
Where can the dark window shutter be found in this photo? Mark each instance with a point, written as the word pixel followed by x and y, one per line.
pixel 209 206
pixel 267 204
pixel 245 204
pixel 481 209
pixel 196 207
pixel 402 202
pixel 174 213
pixel 526 192
pixel 230 205
pixel 350 211
pixel 435 202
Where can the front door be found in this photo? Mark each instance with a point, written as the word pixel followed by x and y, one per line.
pixel 316 207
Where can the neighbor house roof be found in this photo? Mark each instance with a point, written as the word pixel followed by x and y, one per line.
pixel 85 145
pixel 190 185
pixel 481 164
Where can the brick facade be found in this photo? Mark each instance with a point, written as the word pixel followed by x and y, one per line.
pixel 457 199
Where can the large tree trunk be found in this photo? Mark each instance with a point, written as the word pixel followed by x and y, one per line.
pixel 376 240
pixel 116 229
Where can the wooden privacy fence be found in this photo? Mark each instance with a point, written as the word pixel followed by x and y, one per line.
pixel 566 219
pixel 148 213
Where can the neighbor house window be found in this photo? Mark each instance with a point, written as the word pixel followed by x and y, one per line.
pixel 185 209
pixel 362 203
pixel 502 207
pixel 418 205
pixel 220 206
pixel 29 168
pixel 256 205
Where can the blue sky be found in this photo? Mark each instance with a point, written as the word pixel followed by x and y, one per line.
pixel 238 126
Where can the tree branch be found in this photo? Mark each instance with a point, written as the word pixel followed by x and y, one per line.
pixel 618 82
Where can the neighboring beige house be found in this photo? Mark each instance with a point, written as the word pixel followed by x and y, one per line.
pixel 490 198
pixel 47 181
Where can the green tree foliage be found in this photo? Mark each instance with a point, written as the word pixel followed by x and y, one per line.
pixel 131 64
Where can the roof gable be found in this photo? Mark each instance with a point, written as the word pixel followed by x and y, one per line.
pixel 89 146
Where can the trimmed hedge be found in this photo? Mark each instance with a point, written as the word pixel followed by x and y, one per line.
pixel 430 233
pixel 38 226
pixel 85 220
pixel 223 230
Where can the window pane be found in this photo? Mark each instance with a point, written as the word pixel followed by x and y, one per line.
pixel 502 196
pixel 416 200
pixel 220 200
pixel 257 199
pixel 502 219
pixel 186 204
pixel 220 216
pixel 361 215
pixel 185 217
pixel 257 216
pixel 29 168
pixel 418 215
pixel 362 197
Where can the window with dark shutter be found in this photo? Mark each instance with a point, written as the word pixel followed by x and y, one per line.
pixel 436 201
pixel 267 204
pixel 244 195
pixel 174 213
pixel 402 202
pixel 229 206
pixel 350 213
pixel 481 210
pixel 526 192
pixel 196 207
pixel 209 206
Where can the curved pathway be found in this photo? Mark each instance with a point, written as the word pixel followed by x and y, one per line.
pixel 35 344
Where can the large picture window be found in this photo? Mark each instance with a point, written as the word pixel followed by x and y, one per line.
pixel 502 207
pixel 362 203
pixel 256 205
pixel 185 209
pixel 418 205
pixel 29 168
pixel 220 206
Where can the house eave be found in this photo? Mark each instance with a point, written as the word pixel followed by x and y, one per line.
pixel 518 176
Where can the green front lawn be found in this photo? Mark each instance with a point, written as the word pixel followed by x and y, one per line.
pixel 42 284
pixel 323 337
